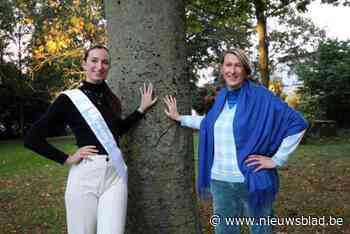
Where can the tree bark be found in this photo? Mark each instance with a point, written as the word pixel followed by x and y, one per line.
pixel 260 7
pixel 147 43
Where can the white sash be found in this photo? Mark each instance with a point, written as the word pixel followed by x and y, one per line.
pixel 98 125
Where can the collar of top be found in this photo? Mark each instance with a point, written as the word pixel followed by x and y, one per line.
pixel 232 97
pixel 98 88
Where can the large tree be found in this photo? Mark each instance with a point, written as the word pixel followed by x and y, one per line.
pixel 147 43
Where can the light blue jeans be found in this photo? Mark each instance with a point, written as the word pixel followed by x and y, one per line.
pixel 230 202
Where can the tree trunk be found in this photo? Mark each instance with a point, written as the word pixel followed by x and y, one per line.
pixel 260 7
pixel 147 43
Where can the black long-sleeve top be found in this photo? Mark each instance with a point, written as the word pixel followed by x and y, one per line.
pixel 63 112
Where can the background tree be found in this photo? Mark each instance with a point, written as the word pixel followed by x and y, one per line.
pixel 13 30
pixel 293 39
pixel 63 29
pixel 49 37
pixel 299 32
pixel 326 82
pixel 289 28
pixel 7 22
pixel 218 25
pixel 212 27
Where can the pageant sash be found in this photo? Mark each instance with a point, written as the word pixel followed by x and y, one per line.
pixel 99 127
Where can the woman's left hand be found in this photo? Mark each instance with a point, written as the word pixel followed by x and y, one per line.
pixel 146 98
pixel 261 161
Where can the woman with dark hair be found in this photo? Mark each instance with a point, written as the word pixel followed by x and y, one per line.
pixel 245 136
pixel 96 192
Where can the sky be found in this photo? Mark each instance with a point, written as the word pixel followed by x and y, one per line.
pixel 333 19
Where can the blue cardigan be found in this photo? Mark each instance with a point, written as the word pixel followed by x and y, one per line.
pixel 261 123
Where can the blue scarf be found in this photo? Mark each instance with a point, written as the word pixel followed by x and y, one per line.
pixel 261 123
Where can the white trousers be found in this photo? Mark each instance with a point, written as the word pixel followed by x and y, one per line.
pixel 96 198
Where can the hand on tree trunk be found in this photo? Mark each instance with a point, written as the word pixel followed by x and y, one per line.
pixel 171 110
pixel 146 98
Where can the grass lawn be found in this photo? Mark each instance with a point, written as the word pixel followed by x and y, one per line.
pixel 316 183
pixel 32 189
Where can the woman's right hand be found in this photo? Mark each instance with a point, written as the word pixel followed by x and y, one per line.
pixel 171 110
pixel 81 154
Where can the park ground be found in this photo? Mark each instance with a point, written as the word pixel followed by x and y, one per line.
pixel 314 184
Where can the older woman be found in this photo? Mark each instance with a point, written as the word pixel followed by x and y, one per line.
pixel 244 137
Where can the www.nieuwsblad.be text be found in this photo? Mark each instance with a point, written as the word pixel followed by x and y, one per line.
pixel 277 221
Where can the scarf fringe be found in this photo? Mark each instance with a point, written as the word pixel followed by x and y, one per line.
pixel 260 198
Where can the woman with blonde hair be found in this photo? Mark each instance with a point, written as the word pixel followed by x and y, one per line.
pixel 245 136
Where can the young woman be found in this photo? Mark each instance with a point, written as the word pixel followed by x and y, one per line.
pixel 96 192
pixel 246 134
